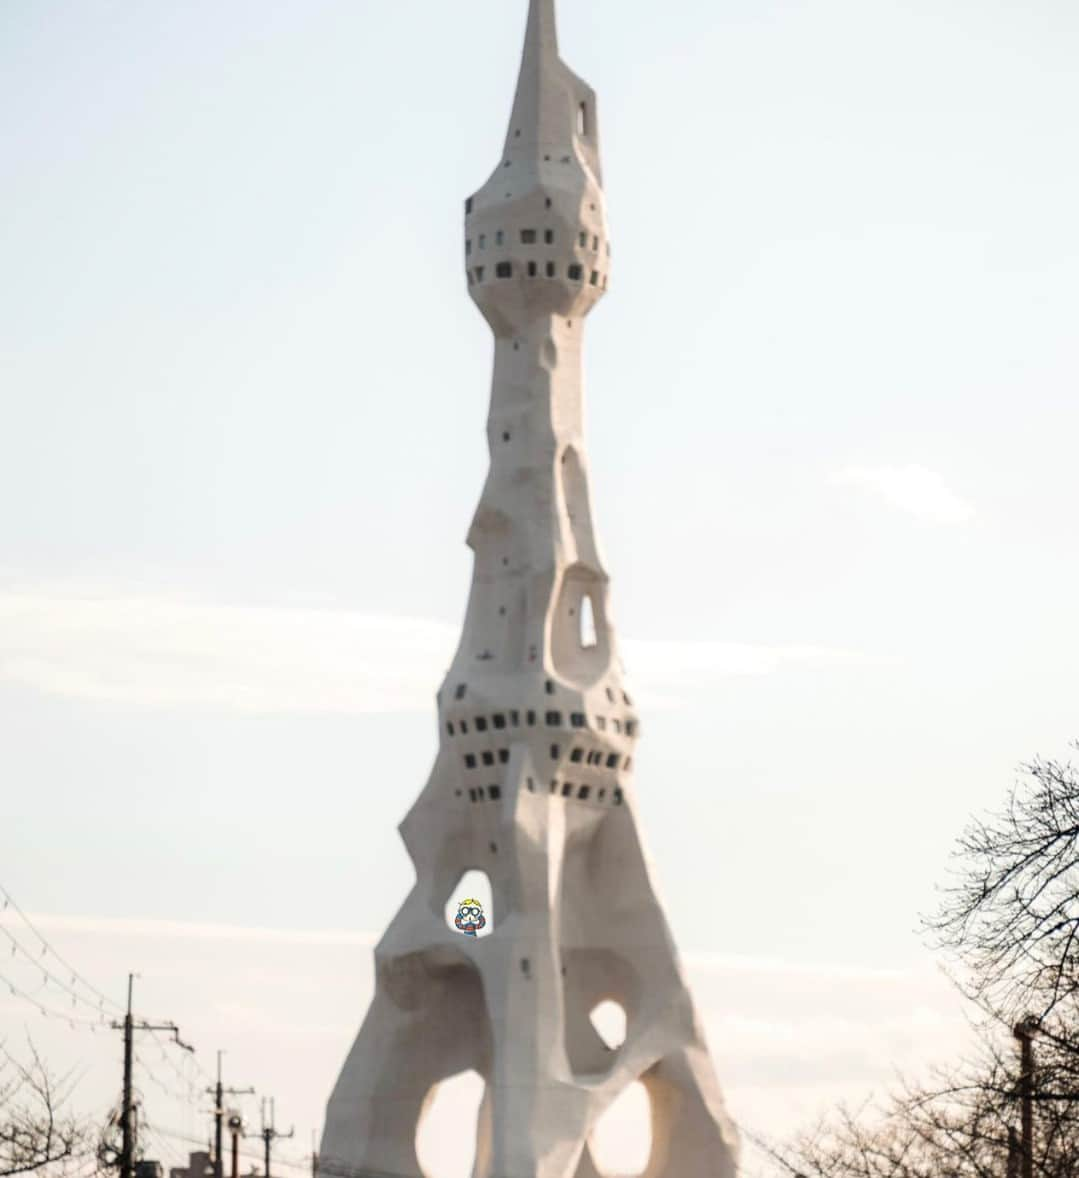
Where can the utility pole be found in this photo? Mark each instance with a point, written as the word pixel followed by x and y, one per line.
pixel 127 1115
pixel 314 1153
pixel 1025 1031
pixel 218 1092
pixel 1015 1151
pixel 270 1133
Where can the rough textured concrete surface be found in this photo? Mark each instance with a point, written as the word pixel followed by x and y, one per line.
pixel 533 783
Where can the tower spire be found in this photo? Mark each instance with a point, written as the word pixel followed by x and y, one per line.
pixel 548 93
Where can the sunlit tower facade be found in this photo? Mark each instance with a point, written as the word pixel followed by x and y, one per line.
pixel 533 782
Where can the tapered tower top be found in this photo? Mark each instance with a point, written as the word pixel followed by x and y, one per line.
pixel 536 239
pixel 553 108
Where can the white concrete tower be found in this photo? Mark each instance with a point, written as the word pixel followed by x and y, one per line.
pixel 533 780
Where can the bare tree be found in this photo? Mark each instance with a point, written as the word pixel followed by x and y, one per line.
pixel 959 1124
pixel 1012 915
pixel 1010 921
pixel 36 1133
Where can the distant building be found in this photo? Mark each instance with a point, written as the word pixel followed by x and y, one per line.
pixel 199 1165
pixel 148 1169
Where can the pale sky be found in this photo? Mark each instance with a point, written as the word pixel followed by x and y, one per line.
pixel 831 425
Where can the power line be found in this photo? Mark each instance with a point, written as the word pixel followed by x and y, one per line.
pixel 73 1020
pixel 35 962
pixel 9 902
pixel 289 1163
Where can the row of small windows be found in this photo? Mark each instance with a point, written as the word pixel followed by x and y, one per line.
pixel 553 719
pixel 592 757
pixel 487 757
pixel 530 237
pixel 494 792
pixel 574 272
pixel 579 756
pixel 563 789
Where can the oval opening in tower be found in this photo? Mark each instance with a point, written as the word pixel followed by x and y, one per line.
pixel 587 622
pixel 621 1142
pixel 447 1133
pixel 469 909
pixel 609 1020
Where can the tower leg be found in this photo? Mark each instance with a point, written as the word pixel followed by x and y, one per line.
pixel 426 1023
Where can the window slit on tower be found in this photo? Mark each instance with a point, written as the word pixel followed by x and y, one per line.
pixel 528 236
pixel 587 624
pixel 550 270
pixel 531 269
pixel 504 270
pixel 576 273
pixel 582 119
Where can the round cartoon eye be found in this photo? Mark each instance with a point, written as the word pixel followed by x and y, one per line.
pixel 473 912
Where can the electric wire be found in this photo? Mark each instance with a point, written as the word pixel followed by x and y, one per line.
pixel 47 949
pixel 73 1020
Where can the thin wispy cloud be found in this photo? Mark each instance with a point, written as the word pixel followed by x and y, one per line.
pixel 150 649
pixel 912 489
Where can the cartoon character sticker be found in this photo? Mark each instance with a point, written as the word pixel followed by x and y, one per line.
pixel 470 918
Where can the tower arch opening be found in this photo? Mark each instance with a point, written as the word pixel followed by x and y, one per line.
pixel 580 646
pixel 609 1020
pixel 469 908
pixel 449 1126
pixel 621 1142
